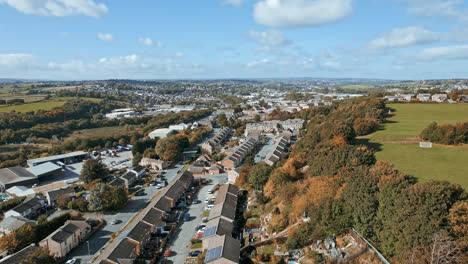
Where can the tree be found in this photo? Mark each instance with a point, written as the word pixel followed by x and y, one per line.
pixel 42 219
pixel 115 198
pixel 95 197
pixel 122 142
pixel 258 176
pixel 93 169
pixel 62 201
pixel 9 242
pixel 222 120
pixel 136 159
pixel 40 256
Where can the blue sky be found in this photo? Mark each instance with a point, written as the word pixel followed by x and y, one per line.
pixel 176 39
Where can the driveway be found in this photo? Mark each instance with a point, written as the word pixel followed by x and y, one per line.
pixel 179 243
pixel 102 236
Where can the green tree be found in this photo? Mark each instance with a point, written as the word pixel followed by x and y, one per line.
pixel 222 120
pixel 259 175
pixel 93 169
pixel 114 198
pixel 40 256
pixel 136 159
pixel 96 197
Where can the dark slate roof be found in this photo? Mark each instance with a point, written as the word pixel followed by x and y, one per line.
pixel 27 205
pixel 231 249
pixel 221 228
pixel 70 228
pixel 129 175
pixel 19 256
pixel 60 236
pixel 176 190
pixel 163 204
pixel 124 250
pixel 140 231
pixel 228 188
pixel 186 177
pixel 153 216
pixel 118 182
pixel 15 174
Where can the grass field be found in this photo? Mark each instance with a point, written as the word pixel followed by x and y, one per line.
pixel 102 132
pixel 41 105
pixel 398 142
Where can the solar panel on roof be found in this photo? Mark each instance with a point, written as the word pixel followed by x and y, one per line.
pixel 209 232
pixel 213 254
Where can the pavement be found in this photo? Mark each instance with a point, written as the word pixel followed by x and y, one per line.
pixel 102 236
pixel 266 148
pixel 179 243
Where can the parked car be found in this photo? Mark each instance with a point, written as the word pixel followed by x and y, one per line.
pixel 140 193
pixel 195 253
pixel 167 253
pixel 196 201
pixel 159 186
pixel 71 261
pixel 114 221
pixel 199 235
pixel 205 220
pixel 201 227
pixel 187 217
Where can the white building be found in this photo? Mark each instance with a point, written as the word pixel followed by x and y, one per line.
pixel 161 133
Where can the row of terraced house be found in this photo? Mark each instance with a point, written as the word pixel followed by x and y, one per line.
pixel 147 235
pixel 218 238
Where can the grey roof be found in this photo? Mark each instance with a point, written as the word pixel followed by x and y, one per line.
pixel 55 194
pixel 129 175
pixel 44 168
pixel 124 250
pixel 15 222
pixel 153 216
pixel 219 227
pixel 118 182
pixel 15 174
pixel 19 256
pixel 65 232
pixel 58 157
pixel 139 232
pixel 163 204
pixel 28 204
pixel 225 247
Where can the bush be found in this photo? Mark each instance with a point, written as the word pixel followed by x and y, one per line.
pixel 5 206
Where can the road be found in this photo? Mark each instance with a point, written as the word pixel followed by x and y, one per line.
pixel 266 148
pixel 180 241
pixel 101 237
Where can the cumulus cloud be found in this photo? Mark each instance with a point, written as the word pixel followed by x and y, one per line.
pixel 150 43
pixel 105 37
pixel 301 13
pixel 59 8
pixel 401 38
pixel 453 52
pixel 444 8
pixel 236 3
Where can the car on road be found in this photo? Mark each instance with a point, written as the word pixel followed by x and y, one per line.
pixel 195 253
pixel 210 191
pixel 196 201
pixel 71 261
pixel 167 253
pixel 114 221
pixel 140 193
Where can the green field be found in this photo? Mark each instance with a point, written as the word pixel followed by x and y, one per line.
pixel 398 142
pixel 41 105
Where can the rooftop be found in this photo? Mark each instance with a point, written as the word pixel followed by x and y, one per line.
pixel 43 168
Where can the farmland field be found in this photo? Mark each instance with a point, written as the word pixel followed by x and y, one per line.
pixel 40 105
pixel 398 142
pixel 103 132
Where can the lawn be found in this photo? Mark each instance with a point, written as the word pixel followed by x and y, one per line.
pixel 398 142
pixel 43 105
pixel 409 120
pixel 103 132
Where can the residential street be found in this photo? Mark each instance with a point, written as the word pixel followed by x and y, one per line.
pixel 180 241
pixel 102 236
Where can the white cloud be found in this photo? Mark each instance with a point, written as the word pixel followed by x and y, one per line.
pixel 236 3
pixel 58 8
pixel 269 38
pixel 301 13
pixel 444 8
pixel 453 52
pixel 150 43
pixel 179 54
pixel 400 38
pixel 15 59
pixel 105 37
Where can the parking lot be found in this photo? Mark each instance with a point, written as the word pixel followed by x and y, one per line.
pixel 180 241
pixel 266 148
